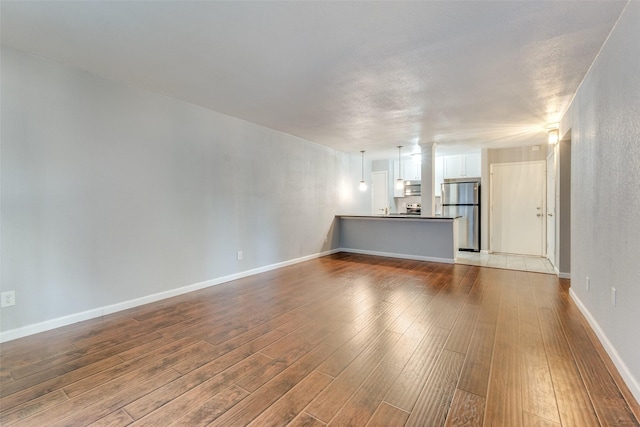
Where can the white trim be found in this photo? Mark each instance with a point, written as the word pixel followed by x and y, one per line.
pixel 484 252
pixel 47 325
pixel 564 275
pixel 629 379
pixel 395 255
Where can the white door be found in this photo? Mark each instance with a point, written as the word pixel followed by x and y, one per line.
pixel 551 208
pixel 518 208
pixel 379 192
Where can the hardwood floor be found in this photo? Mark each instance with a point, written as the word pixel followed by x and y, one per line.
pixel 345 340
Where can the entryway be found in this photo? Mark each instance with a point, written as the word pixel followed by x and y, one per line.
pixel 532 264
pixel 518 208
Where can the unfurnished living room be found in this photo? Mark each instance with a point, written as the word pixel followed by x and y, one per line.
pixel 310 213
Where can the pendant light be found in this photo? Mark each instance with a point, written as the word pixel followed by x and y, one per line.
pixel 400 181
pixel 363 184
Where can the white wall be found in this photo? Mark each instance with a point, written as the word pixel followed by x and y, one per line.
pixel 604 120
pixel 110 193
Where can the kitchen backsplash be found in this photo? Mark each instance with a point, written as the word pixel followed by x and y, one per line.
pixel 401 203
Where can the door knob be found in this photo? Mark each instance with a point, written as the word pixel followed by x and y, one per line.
pixel 550 214
pixel 539 215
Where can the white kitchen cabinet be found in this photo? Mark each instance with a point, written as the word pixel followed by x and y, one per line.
pixel 472 165
pixel 411 171
pixel 453 167
pixel 462 166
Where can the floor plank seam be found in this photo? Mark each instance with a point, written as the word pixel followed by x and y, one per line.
pixel 311 416
pixel 394 406
pixel 265 355
pixel 124 409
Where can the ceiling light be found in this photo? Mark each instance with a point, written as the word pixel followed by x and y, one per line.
pixel 553 137
pixel 363 184
pixel 400 181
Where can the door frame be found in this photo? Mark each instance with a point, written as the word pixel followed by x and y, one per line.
pixel 544 201
pixel 553 219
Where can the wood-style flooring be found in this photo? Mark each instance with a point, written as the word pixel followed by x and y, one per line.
pixel 345 340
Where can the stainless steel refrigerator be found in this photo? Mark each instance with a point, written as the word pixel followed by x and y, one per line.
pixel 463 199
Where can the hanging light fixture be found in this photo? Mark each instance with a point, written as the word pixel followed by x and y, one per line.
pixel 363 184
pixel 400 181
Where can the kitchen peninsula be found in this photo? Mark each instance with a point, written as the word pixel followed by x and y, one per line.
pixel 400 236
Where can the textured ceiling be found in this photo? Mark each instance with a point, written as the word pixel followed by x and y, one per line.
pixel 350 75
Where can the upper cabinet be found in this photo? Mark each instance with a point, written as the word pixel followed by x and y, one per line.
pixel 411 170
pixel 453 166
pixel 473 165
pixel 462 166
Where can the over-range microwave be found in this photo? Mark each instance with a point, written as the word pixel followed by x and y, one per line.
pixel 412 188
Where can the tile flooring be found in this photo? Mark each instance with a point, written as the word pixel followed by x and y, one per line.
pixel 506 261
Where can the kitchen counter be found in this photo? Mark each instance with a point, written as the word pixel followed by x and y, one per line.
pixel 400 236
pixel 402 216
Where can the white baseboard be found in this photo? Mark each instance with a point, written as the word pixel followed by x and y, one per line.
pixel 484 252
pixel 47 325
pixel 564 275
pixel 396 255
pixel 629 379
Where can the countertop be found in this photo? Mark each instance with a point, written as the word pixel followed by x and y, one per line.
pixel 402 217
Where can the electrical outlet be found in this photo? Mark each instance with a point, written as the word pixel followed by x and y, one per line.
pixel 588 283
pixel 239 255
pixel 7 299
pixel 326 239
pixel 613 296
